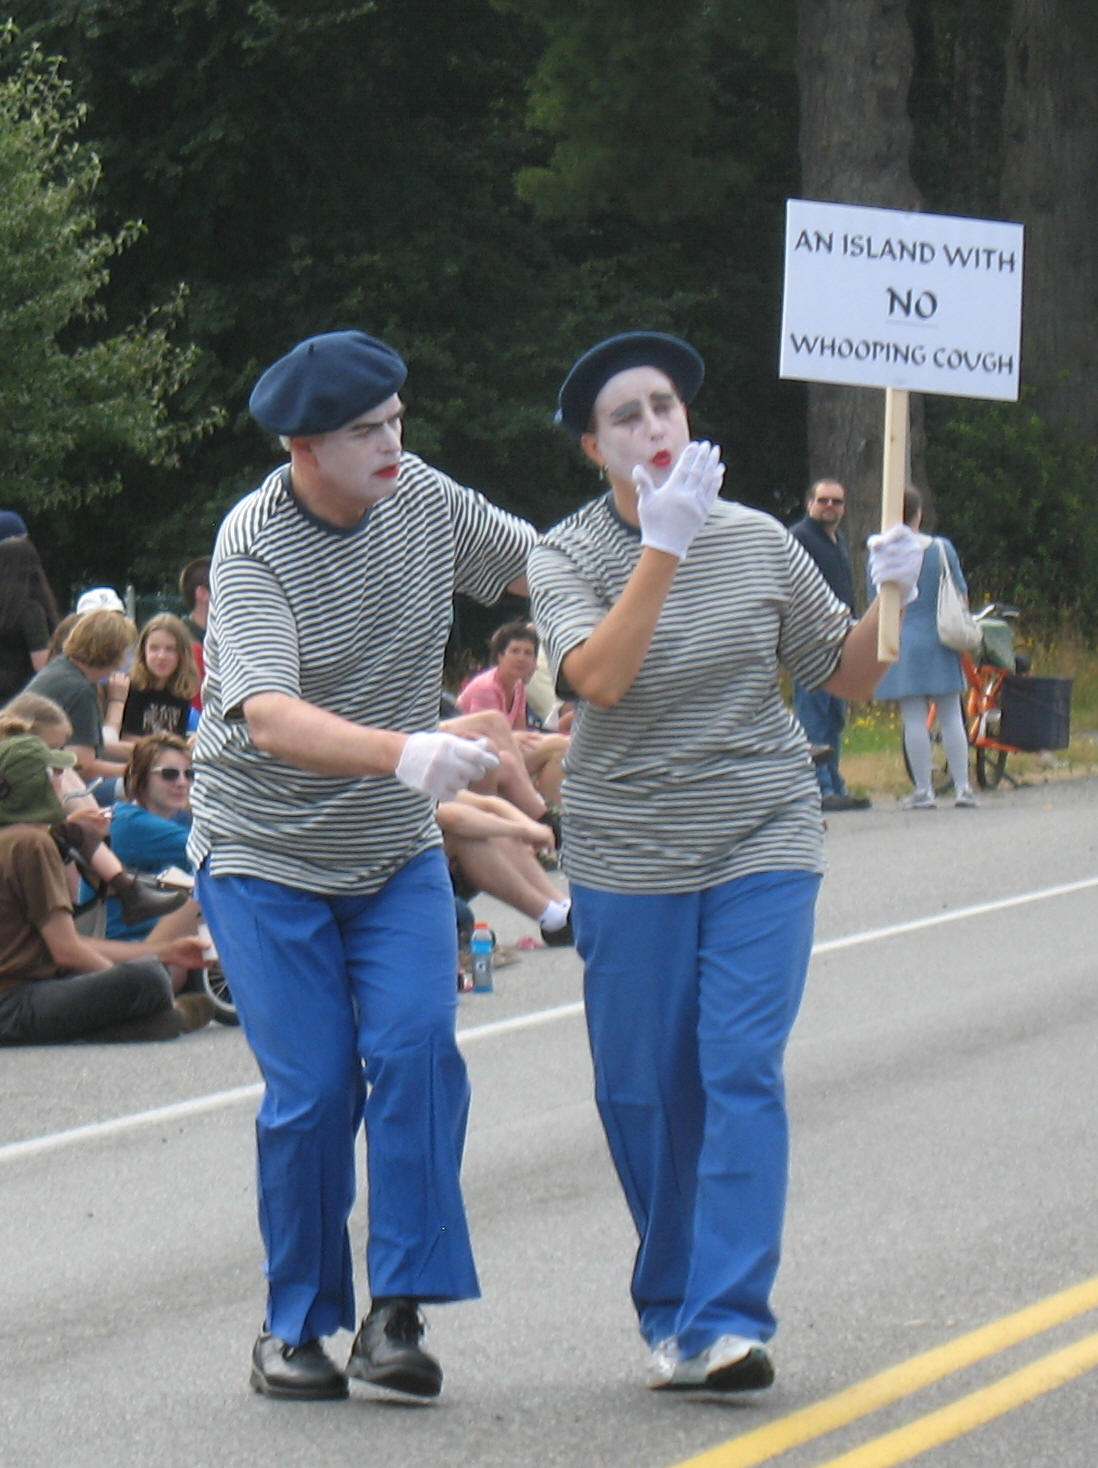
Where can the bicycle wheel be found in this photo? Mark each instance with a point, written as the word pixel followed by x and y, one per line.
pixel 214 984
pixel 990 764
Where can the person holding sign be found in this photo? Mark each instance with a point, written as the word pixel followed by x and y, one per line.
pixel 692 836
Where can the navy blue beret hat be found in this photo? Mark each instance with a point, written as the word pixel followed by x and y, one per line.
pixel 678 359
pixel 325 382
pixel 11 525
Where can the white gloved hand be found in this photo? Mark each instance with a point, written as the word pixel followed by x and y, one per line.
pixel 442 764
pixel 672 515
pixel 896 555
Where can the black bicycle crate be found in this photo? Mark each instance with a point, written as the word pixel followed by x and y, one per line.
pixel 1036 712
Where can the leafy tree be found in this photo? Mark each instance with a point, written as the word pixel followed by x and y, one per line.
pixel 1018 496
pixel 78 395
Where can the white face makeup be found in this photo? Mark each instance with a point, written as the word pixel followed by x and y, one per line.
pixel 639 419
pixel 359 463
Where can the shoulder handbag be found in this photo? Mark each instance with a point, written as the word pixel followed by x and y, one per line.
pixel 957 627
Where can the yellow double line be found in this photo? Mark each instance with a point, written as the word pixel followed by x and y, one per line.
pixel 848 1406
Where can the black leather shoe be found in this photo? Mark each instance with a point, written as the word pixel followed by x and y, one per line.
pixel 387 1350
pixel 304 1373
pixel 141 900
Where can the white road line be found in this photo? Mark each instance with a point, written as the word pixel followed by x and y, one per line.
pixel 219 1100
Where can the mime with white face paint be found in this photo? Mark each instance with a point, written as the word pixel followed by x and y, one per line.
pixel 692 837
pixel 319 863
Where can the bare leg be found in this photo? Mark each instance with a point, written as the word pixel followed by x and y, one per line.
pixel 512 780
pixel 505 868
pixel 543 755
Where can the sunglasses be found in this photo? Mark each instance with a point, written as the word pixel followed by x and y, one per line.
pixel 824 499
pixel 172 775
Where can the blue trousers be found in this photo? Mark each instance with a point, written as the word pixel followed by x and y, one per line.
pixel 690 1000
pixel 823 716
pixel 349 1006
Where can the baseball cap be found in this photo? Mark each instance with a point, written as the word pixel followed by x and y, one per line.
pixel 100 599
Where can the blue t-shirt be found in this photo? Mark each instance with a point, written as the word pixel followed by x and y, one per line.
pixel 144 842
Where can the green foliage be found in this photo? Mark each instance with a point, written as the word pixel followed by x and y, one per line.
pixel 74 394
pixel 1017 497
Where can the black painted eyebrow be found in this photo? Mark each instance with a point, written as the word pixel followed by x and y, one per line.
pixel 658 399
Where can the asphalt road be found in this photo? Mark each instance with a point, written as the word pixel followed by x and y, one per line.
pixel 938 1291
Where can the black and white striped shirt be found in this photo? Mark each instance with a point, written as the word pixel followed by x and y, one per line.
pixel 354 621
pixel 700 773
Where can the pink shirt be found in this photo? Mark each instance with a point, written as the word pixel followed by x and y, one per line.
pixel 486 691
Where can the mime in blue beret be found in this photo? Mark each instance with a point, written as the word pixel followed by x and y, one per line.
pixel 319 861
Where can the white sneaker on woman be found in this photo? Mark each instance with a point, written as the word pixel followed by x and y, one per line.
pixel 919 800
pixel 965 798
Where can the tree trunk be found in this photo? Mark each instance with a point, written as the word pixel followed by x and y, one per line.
pixel 854 66
pixel 1050 184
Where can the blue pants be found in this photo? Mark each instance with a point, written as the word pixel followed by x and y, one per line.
pixel 822 716
pixel 690 1000
pixel 349 1005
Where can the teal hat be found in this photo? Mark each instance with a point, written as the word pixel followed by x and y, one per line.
pixel 27 796
pixel 678 359
pixel 324 382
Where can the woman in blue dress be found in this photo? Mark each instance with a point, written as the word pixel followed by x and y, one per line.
pixel 927 670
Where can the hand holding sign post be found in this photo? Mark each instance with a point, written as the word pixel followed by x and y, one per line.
pixel 907 302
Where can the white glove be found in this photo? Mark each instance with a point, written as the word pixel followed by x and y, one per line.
pixel 442 764
pixel 896 555
pixel 672 515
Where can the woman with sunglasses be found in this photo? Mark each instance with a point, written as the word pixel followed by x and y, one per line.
pixel 150 827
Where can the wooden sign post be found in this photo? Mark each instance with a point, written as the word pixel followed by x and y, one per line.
pixel 893 479
pixel 907 302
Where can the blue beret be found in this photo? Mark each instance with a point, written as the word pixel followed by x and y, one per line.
pixel 678 359
pixel 11 525
pixel 325 382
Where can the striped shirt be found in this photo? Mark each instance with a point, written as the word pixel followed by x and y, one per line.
pixel 354 621
pixel 700 773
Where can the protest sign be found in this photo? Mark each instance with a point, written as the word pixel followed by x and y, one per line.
pixel 908 302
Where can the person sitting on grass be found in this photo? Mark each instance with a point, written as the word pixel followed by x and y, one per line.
pixel 56 985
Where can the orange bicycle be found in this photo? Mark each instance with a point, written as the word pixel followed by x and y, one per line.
pixel 982 696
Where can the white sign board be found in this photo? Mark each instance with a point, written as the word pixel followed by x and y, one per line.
pixel 882 298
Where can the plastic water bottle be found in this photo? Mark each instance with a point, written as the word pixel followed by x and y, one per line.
pixel 480 947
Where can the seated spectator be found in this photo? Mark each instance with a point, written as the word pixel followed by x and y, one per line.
pixel 194 592
pixel 163 680
pixel 95 649
pixel 502 687
pixel 492 847
pixel 28 614
pixel 86 823
pixel 56 985
pixel 59 635
pixel 150 826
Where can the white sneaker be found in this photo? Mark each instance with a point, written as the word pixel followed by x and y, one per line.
pixel 733 1363
pixel 662 1363
pixel 966 799
pixel 919 800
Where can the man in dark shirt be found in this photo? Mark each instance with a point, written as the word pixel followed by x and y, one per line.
pixel 821 714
